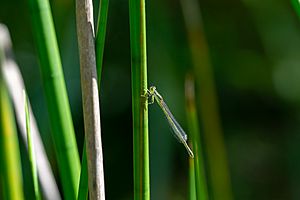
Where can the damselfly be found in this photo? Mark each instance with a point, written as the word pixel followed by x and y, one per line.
pixel 178 131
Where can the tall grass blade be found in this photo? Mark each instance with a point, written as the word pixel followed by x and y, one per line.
pixel 83 190
pixel 9 146
pixel 90 98
pixel 137 15
pixel 15 85
pixel 296 5
pixel 193 123
pixel 31 151
pixel 100 37
pixel 56 96
pixel 218 168
pixel 192 184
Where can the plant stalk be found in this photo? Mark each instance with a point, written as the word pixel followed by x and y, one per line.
pixel 192 184
pixel 100 37
pixel 83 190
pixel 217 157
pixel 193 123
pixel 9 145
pixel 56 96
pixel 137 15
pixel 100 43
pixel 31 150
pixel 90 97
pixel 15 84
pixel 296 5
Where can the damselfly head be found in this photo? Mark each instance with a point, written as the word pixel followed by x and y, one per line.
pixel 152 89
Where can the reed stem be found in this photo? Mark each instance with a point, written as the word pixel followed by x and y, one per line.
pixel 193 123
pixel 31 151
pixel 137 15
pixel 218 168
pixel 56 96
pixel 90 98
pixel 100 43
pixel 15 85
pixel 100 37
pixel 9 146
pixel 83 190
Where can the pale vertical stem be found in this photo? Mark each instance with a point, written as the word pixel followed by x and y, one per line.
pixel 90 98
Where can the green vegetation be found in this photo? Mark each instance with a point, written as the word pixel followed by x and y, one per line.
pixel 9 146
pixel 56 96
pixel 240 111
pixel 296 5
pixel 31 151
pixel 208 103
pixel 198 185
pixel 83 190
pixel 100 37
pixel 138 46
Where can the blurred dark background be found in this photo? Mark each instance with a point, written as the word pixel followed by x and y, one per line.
pixel 254 47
